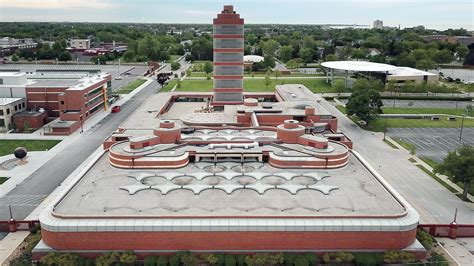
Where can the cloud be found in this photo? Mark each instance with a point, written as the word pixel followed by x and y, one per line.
pixel 55 4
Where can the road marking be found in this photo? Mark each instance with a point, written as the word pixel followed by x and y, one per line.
pixel 22 200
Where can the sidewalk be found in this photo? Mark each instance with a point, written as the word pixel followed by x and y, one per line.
pixel 457 250
pixel 9 244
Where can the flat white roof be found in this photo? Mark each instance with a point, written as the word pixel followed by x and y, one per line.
pixel 361 66
pixel 408 71
pixel 253 58
pixel 6 101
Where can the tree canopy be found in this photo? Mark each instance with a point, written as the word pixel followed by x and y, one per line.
pixel 459 165
pixel 365 104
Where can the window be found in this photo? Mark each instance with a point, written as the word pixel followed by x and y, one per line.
pixel 1 112
pixel 8 111
pixel 23 105
pixel 2 122
pixel 16 107
pixel 1 81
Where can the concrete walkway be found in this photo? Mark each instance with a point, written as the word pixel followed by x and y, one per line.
pixel 9 244
pixel 457 250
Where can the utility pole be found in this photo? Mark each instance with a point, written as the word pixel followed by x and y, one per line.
pixel 385 127
pixel 462 127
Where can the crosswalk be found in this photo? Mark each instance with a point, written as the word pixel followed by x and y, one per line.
pixel 22 200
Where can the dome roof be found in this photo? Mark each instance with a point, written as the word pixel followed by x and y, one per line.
pixel 253 58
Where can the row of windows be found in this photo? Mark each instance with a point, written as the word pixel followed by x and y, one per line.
pixel 228 57
pixel 93 101
pixel 94 91
pixel 16 107
pixel 228 70
pixel 228 83
pixel 228 29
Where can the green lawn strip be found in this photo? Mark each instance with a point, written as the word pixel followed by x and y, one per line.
pixel 131 86
pixel 444 184
pixel 412 160
pixel 341 108
pixel 3 179
pixel 198 74
pixel 389 143
pixel 379 124
pixel 201 61
pixel 9 146
pixel 400 110
pixel 196 85
pixel 407 146
pixel 429 161
pixel 169 86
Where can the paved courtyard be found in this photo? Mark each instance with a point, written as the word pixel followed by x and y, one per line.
pixel 433 142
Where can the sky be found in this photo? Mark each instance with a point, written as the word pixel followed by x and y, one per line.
pixel 434 14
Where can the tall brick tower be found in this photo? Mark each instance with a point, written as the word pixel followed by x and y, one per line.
pixel 228 57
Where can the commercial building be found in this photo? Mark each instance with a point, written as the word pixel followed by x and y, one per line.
pixel 228 57
pixel 462 40
pixel 385 72
pixel 8 108
pixel 70 98
pixel 378 24
pixel 271 174
pixel 80 44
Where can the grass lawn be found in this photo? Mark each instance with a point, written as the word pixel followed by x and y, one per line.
pixel 447 111
pixel 407 146
pixel 9 146
pixel 201 61
pixel 341 108
pixel 198 74
pixel 379 124
pixel 390 144
pixel 429 161
pixel 131 86
pixel 169 86
pixel 3 179
pixel 258 85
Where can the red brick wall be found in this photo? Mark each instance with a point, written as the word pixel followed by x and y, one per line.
pixel 229 240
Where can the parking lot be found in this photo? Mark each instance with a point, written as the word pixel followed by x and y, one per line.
pixel 433 143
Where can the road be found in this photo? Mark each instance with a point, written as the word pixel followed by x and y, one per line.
pixel 29 194
pixel 434 202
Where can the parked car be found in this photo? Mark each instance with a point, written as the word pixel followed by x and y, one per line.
pixel 116 109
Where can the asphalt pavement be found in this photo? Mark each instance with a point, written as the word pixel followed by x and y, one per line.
pixel 31 192
pixel 434 203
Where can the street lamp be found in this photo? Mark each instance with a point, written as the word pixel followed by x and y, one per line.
pixel 118 74
pixel 462 127
pixel 98 61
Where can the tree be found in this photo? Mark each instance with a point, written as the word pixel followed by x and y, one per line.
pixel 459 166
pixel 65 56
pixel 331 57
pixel 207 67
pixel 15 58
pixel 425 64
pixel 286 53
pixel 443 57
pixel 277 74
pixel 307 54
pixel 412 151
pixel 365 104
pixel 269 47
pixel 175 66
pixel 339 86
pixel 129 55
pixel 469 60
pixel 461 52
pixel 149 261
pixel 267 79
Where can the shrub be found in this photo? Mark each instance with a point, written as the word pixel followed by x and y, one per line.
pixel 425 239
pixel 188 258
pixel 107 259
pixel 220 259
pixel 312 258
pixel 437 259
pixel 175 66
pixel 240 260
pixel 289 259
pixel 128 257
pixel 209 258
pixel 175 260
pixel 230 260
pixel 301 261
pixel 368 258
pixel 395 256
pixel 162 261
pixel 338 257
pixel 149 261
